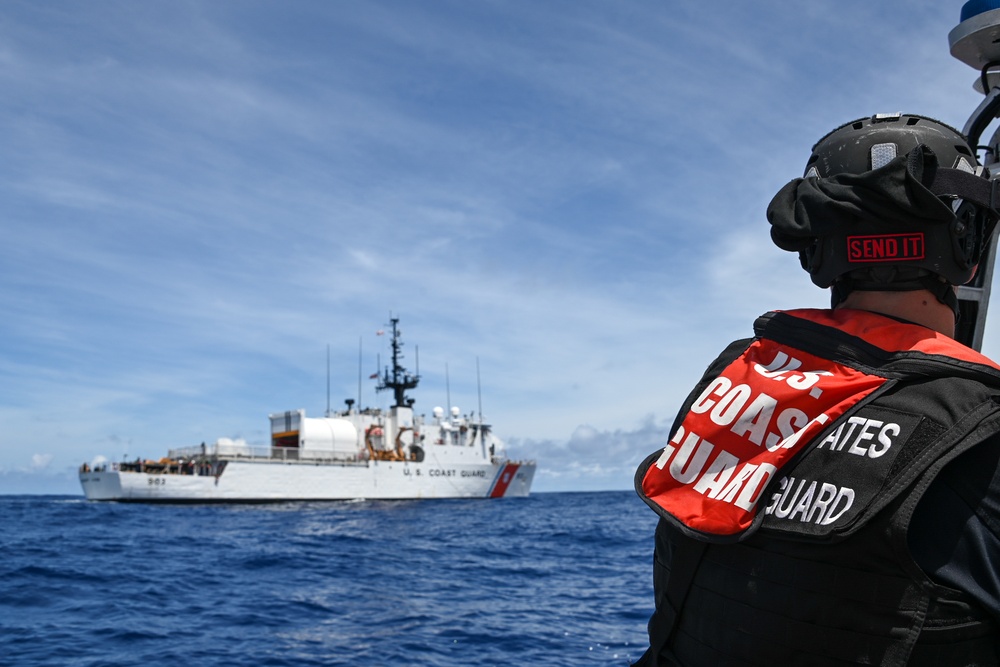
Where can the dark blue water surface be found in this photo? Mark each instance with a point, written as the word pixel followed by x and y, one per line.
pixel 554 579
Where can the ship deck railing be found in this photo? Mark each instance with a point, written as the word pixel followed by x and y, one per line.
pixel 208 460
pixel 270 454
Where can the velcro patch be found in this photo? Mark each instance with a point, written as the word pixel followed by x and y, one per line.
pixel 885 247
pixel 831 488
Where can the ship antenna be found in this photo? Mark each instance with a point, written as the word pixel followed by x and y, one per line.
pixel 479 391
pixel 447 388
pixel 400 380
pixel 360 338
pixel 327 379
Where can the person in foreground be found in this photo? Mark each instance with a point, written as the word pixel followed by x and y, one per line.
pixel 830 493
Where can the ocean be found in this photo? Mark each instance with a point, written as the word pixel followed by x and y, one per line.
pixel 552 579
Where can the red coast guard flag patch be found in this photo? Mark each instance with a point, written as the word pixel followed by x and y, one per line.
pixel 747 423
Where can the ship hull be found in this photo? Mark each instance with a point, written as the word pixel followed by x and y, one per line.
pixel 278 481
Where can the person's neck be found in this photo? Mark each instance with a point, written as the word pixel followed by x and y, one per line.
pixel 918 306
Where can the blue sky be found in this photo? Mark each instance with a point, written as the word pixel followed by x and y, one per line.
pixel 199 197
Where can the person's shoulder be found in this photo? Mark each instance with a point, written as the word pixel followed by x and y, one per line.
pixel 975 474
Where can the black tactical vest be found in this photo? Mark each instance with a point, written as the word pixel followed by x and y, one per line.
pixel 785 500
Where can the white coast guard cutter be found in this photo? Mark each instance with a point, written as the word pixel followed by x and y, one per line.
pixel 355 453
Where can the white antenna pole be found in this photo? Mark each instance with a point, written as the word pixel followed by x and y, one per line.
pixel 479 391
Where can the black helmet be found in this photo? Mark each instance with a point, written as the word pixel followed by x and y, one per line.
pixel 891 202
pixel 870 143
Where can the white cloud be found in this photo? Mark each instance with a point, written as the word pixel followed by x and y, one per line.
pixel 592 459
pixel 40 461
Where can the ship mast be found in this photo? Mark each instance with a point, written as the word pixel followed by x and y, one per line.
pixel 399 381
